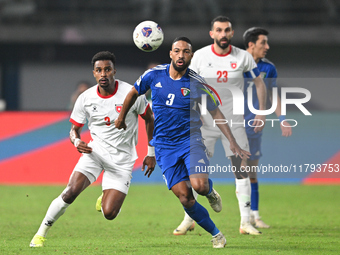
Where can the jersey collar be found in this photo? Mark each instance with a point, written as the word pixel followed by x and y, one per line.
pixel 220 55
pixel 114 92
pixel 168 72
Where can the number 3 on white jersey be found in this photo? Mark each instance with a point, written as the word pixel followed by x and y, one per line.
pixel 171 99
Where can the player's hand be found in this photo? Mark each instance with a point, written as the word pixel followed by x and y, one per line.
pixel 150 162
pixel 120 124
pixel 286 129
pixel 259 122
pixel 83 148
pixel 235 148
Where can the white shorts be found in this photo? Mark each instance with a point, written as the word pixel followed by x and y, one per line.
pixel 116 176
pixel 211 134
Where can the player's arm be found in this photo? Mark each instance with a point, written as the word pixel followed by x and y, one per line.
pixel 224 127
pixel 76 141
pixel 260 120
pixel 286 129
pixel 149 159
pixel 130 99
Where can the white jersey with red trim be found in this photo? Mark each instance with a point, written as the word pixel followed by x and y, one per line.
pixel 222 72
pixel 101 112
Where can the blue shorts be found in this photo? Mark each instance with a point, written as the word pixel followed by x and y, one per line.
pixel 178 163
pixel 255 148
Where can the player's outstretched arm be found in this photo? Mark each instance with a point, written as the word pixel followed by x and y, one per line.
pixel 128 102
pixel 149 159
pixel 75 139
pixel 224 127
pixel 260 120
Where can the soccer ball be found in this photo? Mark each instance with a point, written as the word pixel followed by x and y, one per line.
pixel 148 36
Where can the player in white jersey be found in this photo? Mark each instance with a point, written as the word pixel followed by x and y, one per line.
pixel 223 67
pixel 111 150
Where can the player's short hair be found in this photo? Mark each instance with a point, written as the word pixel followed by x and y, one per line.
pixel 219 19
pixel 104 55
pixel 252 35
pixel 182 38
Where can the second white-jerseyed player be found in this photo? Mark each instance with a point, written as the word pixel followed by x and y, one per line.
pixel 223 73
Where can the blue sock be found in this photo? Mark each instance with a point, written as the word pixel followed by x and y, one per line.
pixel 254 198
pixel 210 185
pixel 199 214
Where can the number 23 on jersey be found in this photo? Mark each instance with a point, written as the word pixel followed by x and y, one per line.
pixel 222 76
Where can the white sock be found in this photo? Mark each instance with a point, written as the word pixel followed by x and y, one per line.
pixel 56 209
pixel 256 215
pixel 243 196
pixel 187 218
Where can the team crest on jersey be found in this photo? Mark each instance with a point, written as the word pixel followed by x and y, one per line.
pixel 263 75
pixel 233 65
pixel 118 107
pixel 185 91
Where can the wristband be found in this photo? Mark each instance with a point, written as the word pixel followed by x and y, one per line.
pixel 282 118
pixel 151 151
pixel 76 142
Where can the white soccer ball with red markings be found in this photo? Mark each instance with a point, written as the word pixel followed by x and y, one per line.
pixel 148 36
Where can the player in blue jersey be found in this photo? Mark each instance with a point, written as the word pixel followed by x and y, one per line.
pixel 256 43
pixel 180 152
pixel 223 66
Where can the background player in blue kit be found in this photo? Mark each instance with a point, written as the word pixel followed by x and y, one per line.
pixel 180 152
pixel 256 43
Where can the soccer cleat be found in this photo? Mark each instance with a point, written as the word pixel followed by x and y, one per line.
pixel 248 229
pixel 219 241
pixel 260 224
pixel 184 227
pixel 37 241
pixel 99 203
pixel 215 200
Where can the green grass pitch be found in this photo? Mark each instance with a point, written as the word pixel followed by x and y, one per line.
pixel 304 220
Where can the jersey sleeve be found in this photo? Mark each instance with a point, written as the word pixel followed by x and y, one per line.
pixel 250 68
pixel 142 85
pixel 78 115
pixel 141 105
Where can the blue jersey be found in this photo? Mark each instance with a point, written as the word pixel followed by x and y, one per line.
pixel 268 74
pixel 175 104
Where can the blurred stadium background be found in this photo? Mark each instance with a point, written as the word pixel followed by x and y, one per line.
pixel 46 48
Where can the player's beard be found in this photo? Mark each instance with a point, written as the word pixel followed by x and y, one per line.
pixel 223 46
pixel 180 68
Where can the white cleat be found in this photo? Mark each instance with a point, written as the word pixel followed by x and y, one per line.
pixel 215 200
pixel 248 229
pixel 219 241
pixel 184 227
pixel 260 224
